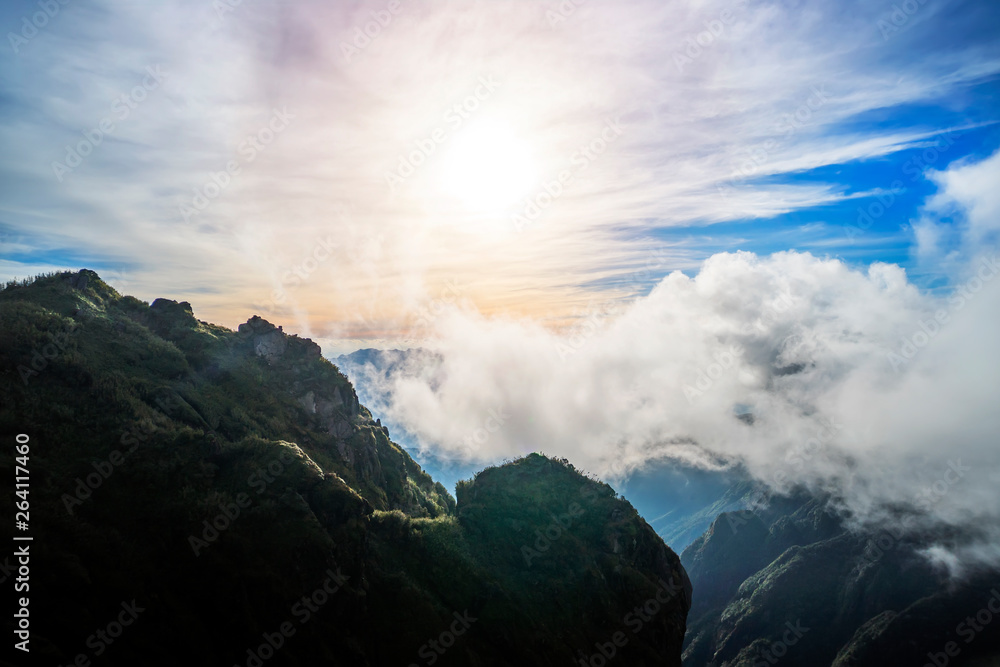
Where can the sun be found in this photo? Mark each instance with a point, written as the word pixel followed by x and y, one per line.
pixel 487 168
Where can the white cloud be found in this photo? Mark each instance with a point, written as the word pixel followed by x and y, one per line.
pixel 859 384
pixel 805 342
pixel 775 92
pixel 961 221
pixel 971 188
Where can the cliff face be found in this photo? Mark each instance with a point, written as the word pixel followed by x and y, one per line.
pixel 231 487
pixel 790 583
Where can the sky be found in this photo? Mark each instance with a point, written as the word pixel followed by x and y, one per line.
pixel 619 223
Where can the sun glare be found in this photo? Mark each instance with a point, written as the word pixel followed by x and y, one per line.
pixel 488 168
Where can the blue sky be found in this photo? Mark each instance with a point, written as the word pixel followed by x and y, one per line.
pixel 759 126
pixel 616 223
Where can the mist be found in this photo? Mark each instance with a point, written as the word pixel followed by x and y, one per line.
pixel 845 380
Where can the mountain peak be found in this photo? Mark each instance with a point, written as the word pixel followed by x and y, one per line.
pixel 235 461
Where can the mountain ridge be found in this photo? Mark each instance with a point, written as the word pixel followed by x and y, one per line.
pixel 228 481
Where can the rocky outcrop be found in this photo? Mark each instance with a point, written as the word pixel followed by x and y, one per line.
pixel 168 317
pixel 334 407
pixel 268 341
pixel 336 413
pixel 79 280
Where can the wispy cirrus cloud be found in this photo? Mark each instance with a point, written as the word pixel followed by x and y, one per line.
pixel 724 108
pixel 858 384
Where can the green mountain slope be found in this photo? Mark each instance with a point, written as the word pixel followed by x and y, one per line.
pixel 789 582
pixel 225 493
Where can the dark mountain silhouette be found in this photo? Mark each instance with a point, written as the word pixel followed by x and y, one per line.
pixel 786 582
pixel 213 497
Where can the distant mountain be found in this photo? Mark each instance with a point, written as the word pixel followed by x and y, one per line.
pixel 386 363
pixel 782 580
pixel 787 581
pixel 203 496
pixel 680 501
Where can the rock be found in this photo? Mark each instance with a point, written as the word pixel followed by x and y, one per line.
pixel 79 280
pixel 340 429
pixel 268 340
pixel 270 345
pixel 308 402
pixel 345 452
pixel 256 324
pixel 169 306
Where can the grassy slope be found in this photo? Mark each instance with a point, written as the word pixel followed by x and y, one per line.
pixel 198 418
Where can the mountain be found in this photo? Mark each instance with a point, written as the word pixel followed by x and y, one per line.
pixel 788 580
pixel 373 373
pixel 206 496
pixel 780 575
pixel 680 501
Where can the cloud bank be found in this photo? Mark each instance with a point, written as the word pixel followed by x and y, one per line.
pixel 806 370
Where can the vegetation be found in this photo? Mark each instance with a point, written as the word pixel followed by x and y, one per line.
pixel 794 564
pixel 216 477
